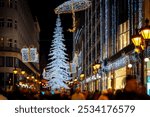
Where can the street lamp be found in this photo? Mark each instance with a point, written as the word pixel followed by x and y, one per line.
pixel 142 37
pixel 96 66
pixel 145 31
pixel 23 72
pixel 15 71
pixel 81 76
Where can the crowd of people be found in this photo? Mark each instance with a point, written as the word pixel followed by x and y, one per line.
pixel 132 91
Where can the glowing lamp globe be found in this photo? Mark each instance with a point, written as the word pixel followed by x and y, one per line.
pixel 145 31
pixel 15 71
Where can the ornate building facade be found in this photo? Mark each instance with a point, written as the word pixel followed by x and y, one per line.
pixel 104 36
pixel 18 29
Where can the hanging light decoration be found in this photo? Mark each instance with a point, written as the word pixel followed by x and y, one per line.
pixel 25 54
pixel 29 54
pixel 72 6
pixel 33 53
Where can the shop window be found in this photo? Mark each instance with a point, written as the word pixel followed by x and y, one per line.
pixel 2 22
pixel 1 61
pixel 9 61
pixel 9 23
pixel 9 78
pixel 2 3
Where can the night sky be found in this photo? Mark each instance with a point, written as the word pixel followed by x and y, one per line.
pixel 44 11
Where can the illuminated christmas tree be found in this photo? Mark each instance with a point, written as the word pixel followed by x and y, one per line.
pixel 57 70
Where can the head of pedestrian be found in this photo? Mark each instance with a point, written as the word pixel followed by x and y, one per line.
pixel 78 90
pixel 131 83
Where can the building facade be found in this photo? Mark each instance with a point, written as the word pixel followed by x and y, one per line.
pixel 105 38
pixel 18 29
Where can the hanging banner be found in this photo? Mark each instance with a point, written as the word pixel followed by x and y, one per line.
pixel 25 54
pixel 37 58
pixel 30 55
pixel 33 54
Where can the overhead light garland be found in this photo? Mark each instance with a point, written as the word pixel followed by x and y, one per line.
pixel 72 6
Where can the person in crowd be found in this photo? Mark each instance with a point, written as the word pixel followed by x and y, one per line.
pixel 85 93
pixel 96 95
pixel 90 95
pixel 142 93
pixel 78 95
pixel 104 95
pixel 130 92
pixel 2 97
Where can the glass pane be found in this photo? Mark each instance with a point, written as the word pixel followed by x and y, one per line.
pixel 1 61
